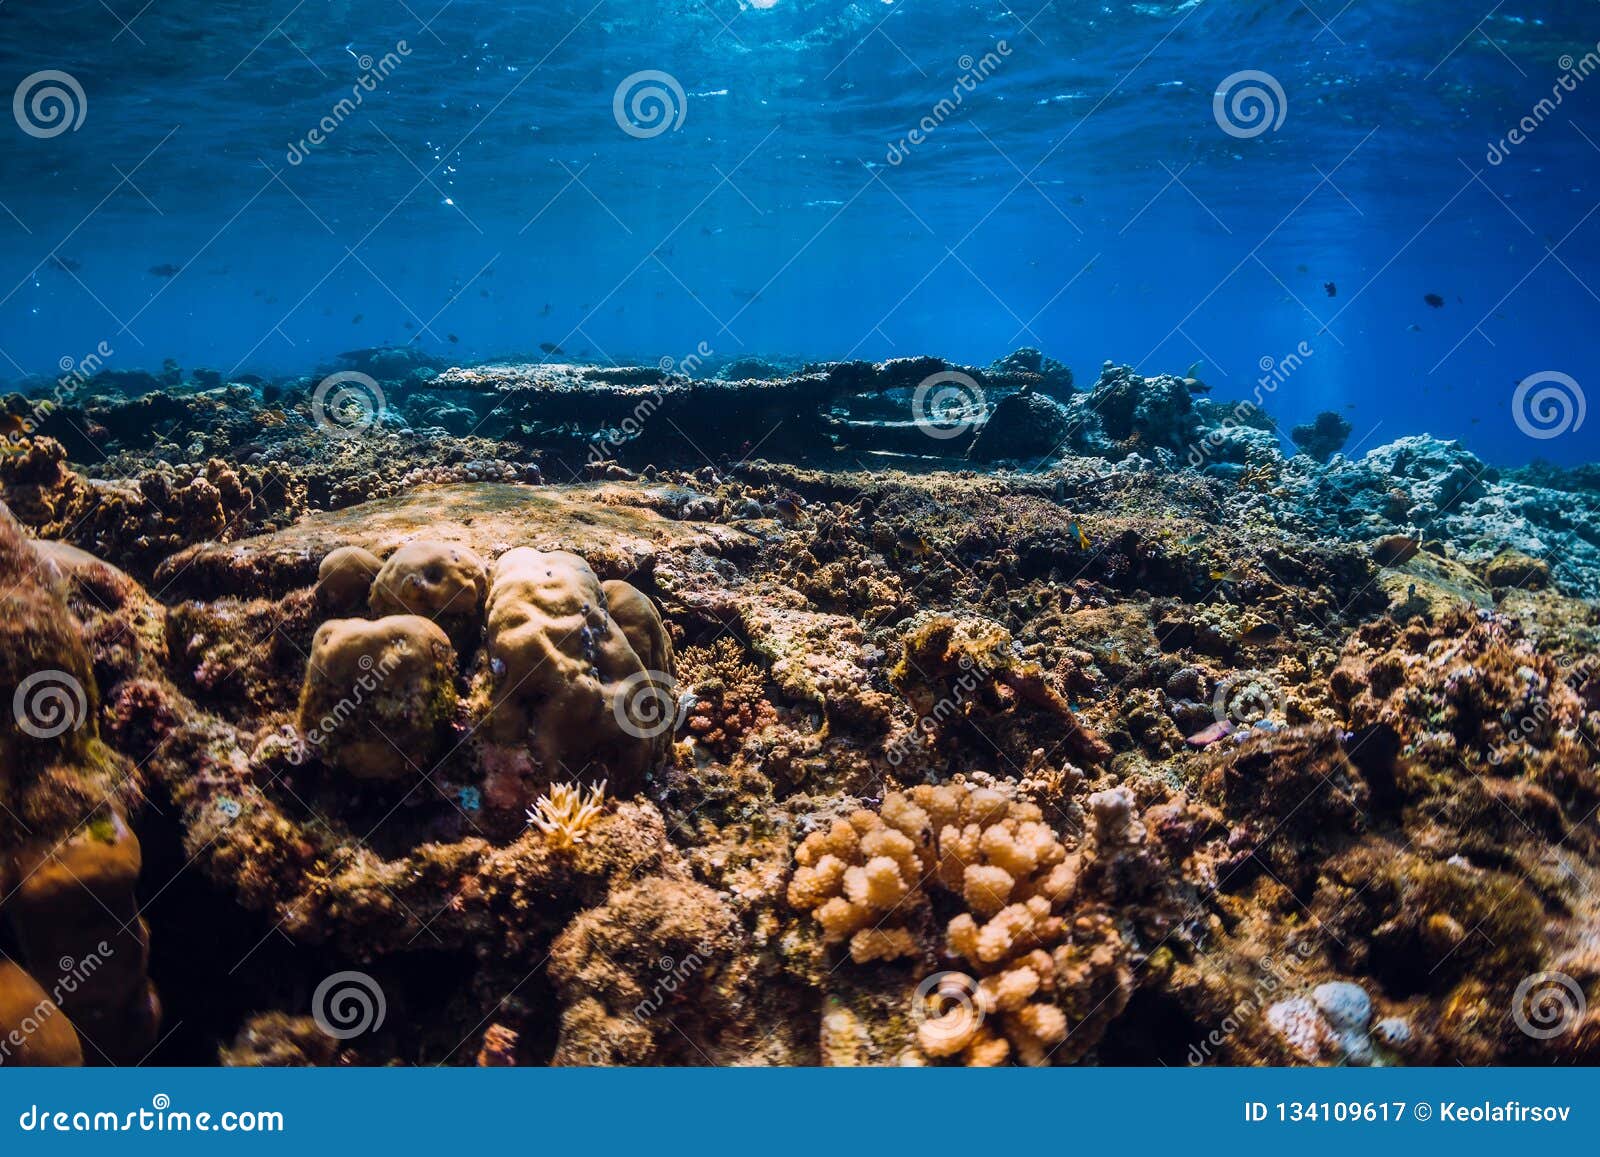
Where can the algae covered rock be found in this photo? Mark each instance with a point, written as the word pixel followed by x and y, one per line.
pixel 571 675
pixel 379 695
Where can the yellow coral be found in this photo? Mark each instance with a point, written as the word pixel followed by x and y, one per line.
pixel 567 812
pixel 1033 965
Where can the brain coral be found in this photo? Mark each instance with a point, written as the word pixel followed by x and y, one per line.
pixel 571 670
pixel 378 695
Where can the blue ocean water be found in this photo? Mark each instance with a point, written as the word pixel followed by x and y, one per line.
pixel 1396 199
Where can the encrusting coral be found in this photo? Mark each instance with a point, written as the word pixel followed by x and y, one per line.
pixel 729 696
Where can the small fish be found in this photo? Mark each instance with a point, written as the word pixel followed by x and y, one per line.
pixel 453 339
pixel 545 312
pixel 471 798
pixel 552 348
pixel 1330 289
pixel 12 424
pixel 1302 269
pixel 1414 328
pixel 65 264
pixel 1076 532
pixel 1261 633
pixel 1217 731
pixel 912 542
pixel 1230 575
pixel 168 270
pixel 788 509
pixel 1434 300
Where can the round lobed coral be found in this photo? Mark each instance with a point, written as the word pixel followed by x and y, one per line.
pixel 378 696
pixel 345 579
pixel 441 581
pixel 569 677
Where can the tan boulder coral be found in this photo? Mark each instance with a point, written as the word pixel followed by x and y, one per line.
pixel 77 919
pixel 379 695
pixel 442 581
pixel 345 579
pixel 570 671
pixel 33 1029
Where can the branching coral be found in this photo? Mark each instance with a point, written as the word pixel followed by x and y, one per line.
pixel 729 696
pixel 567 812
pixel 1038 971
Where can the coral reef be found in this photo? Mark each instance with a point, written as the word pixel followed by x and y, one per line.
pixel 1152 741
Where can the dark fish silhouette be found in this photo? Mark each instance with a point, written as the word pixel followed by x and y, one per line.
pixel 65 264
pixel 454 339
pixel 168 270
pixel 545 312
pixel 1330 289
pixel 552 348
pixel 1434 300
pixel 356 320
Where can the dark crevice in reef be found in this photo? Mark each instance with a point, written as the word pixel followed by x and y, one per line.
pixel 1155 1029
pixel 213 962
